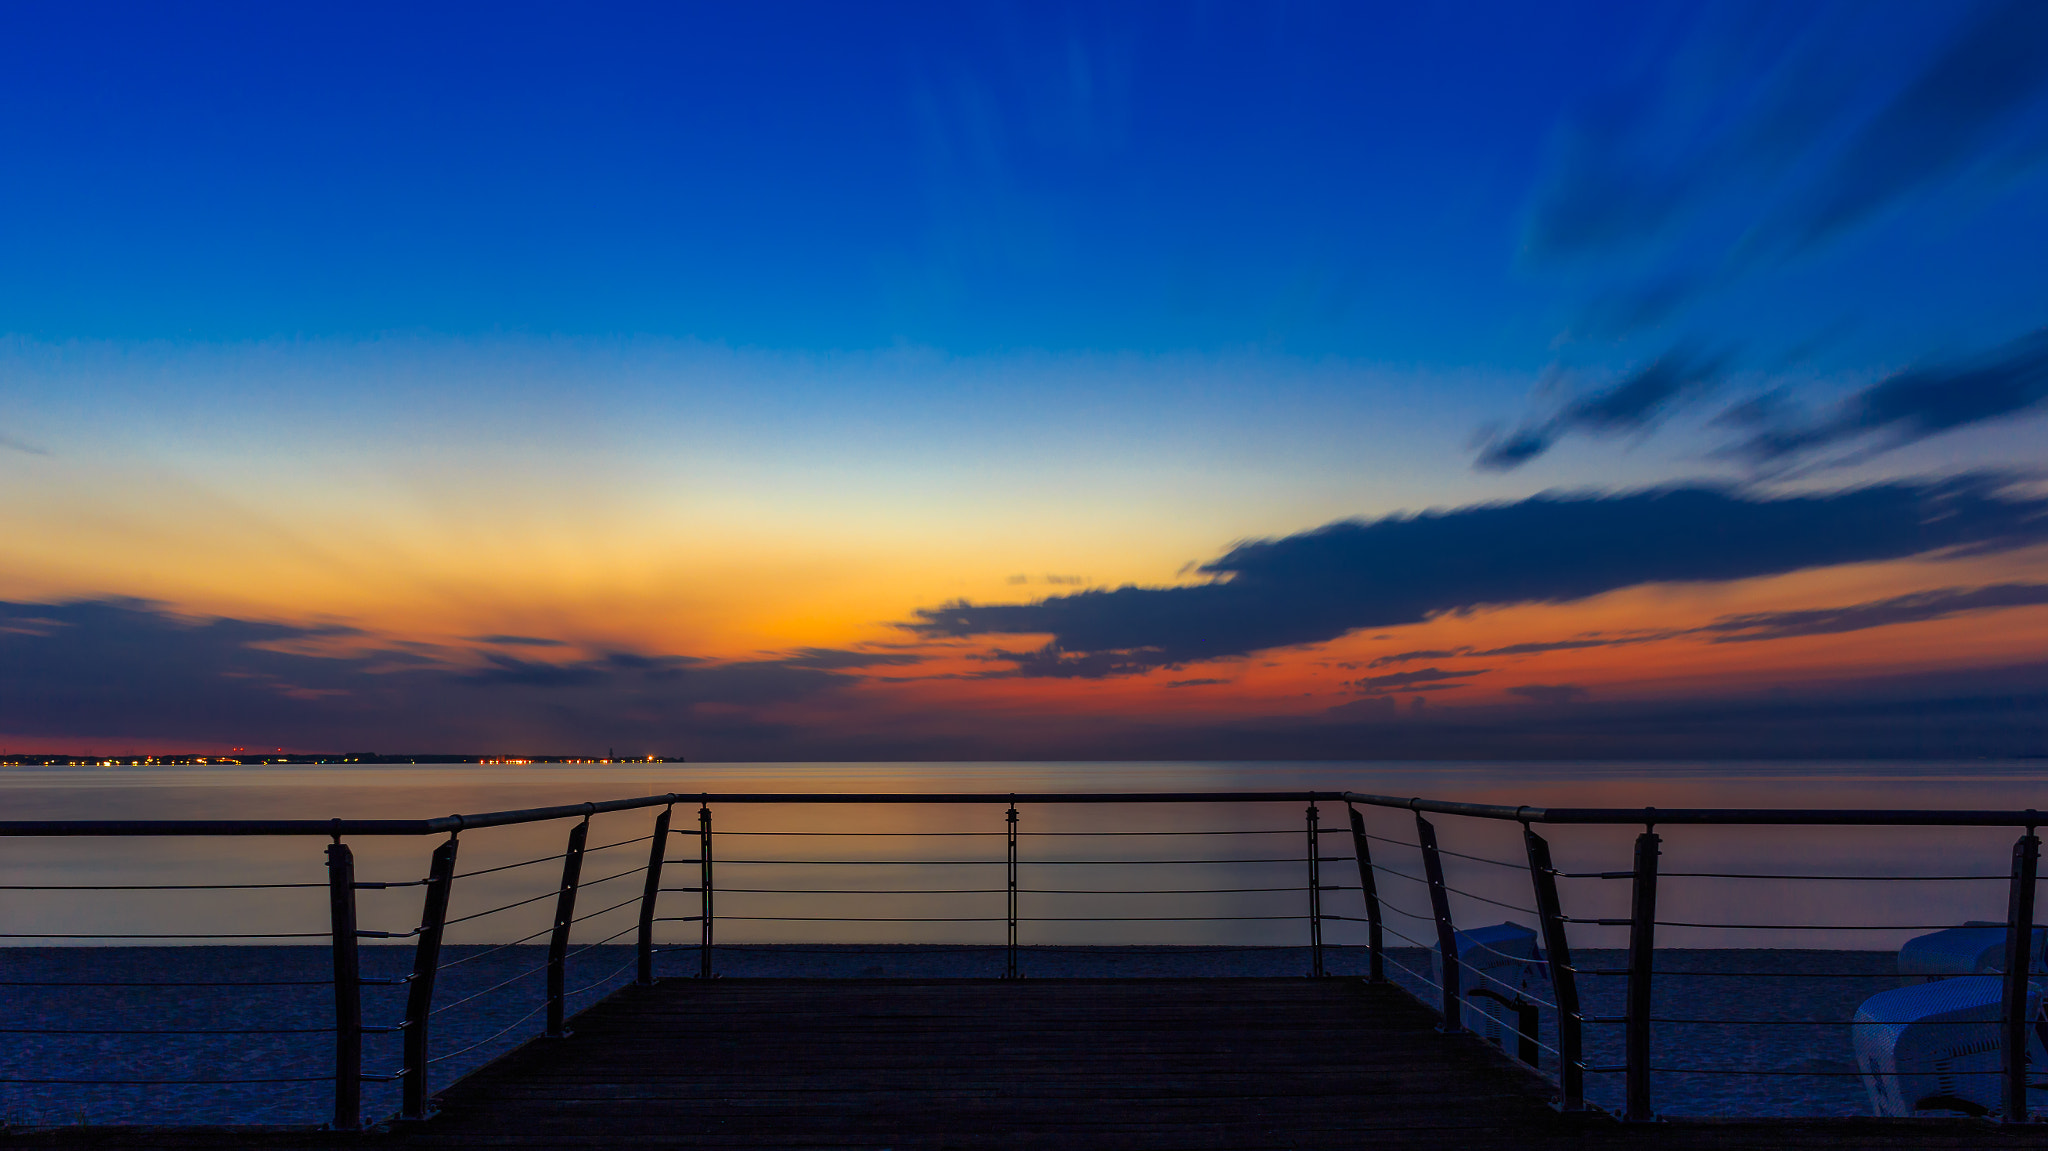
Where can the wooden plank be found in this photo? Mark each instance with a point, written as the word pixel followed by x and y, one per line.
pixel 789 1063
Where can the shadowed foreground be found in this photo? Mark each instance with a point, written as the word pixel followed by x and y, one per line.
pixel 1079 1063
pixel 953 1063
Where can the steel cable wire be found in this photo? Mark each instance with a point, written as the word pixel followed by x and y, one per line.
pixel 1132 862
pixel 499 1034
pixel 493 949
pixel 526 974
pixel 603 980
pixel 1424 979
pixel 993 949
pixel 1617 972
pixel 1785 1074
pixel 1479 971
pixel 164 1082
pixel 1830 878
pixel 1523 866
pixel 156 886
pixel 1392 841
pixel 845 834
pixel 155 983
pixel 1794 926
pixel 1483 973
pixel 869 862
pixel 1494 902
pixel 505 907
pixel 175 1031
pixel 169 935
pixel 1149 918
pixel 620 843
pixel 1802 1022
pixel 1278 831
pixel 1168 890
pixel 1023 862
pixel 600 943
pixel 1447 851
pixel 1400 910
pixel 616 875
pixel 613 907
pixel 508 866
pixel 847 891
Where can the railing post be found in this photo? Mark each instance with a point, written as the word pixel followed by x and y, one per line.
pixel 704 886
pixel 1375 947
pixel 419 995
pixel 1446 933
pixel 2019 957
pixel 650 893
pixel 565 917
pixel 1642 946
pixel 1315 895
pixel 348 988
pixel 1010 962
pixel 1564 982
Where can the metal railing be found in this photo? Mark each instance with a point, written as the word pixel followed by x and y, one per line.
pixel 1406 938
pixel 420 1067
pixel 1638 1018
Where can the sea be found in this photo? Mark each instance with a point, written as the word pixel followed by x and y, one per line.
pixel 188 980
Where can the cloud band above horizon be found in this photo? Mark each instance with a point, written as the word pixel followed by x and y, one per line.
pixel 1318 585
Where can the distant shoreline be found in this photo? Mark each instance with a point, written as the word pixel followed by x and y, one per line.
pixel 245 759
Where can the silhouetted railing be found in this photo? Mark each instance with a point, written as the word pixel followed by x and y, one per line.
pixel 420 1067
pixel 1407 918
pixel 1638 1017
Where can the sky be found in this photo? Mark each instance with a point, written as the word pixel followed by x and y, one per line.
pixel 1025 381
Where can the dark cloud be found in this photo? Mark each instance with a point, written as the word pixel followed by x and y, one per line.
pixel 505 669
pixel 1426 679
pixel 1977 712
pixel 836 659
pixel 1916 404
pixel 1770 134
pixel 1942 122
pixel 1380 707
pixel 1915 608
pixel 1426 653
pixel 129 668
pixel 1196 682
pixel 1550 693
pixel 1053 662
pixel 1568 644
pixel 1773 130
pixel 516 641
pixel 1944 716
pixel 1634 404
pixel 9 443
pixel 1402 569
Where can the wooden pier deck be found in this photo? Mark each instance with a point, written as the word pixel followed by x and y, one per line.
pixel 1103 1063
pixel 1131 1064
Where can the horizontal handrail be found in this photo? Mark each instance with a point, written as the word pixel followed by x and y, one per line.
pixel 1759 816
pixel 1860 817
pixel 453 823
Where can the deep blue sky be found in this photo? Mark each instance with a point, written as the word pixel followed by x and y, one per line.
pixel 1326 178
pixel 691 336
